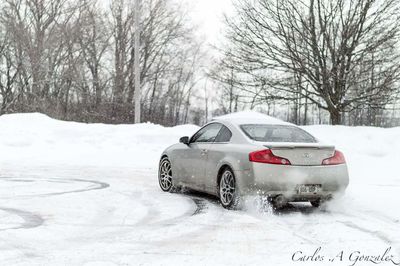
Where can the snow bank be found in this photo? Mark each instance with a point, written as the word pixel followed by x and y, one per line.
pixel 36 139
pixel 372 153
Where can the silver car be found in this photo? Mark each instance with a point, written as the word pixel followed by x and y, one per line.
pixel 231 158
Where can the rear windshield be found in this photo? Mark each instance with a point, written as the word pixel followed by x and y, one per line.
pixel 277 133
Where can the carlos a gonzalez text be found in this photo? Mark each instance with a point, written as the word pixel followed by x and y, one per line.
pixel 353 257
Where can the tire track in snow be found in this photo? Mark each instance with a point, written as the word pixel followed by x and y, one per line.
pixel 374 233
pixel 279 220
pixel 30 220
pixel 152 219
pixel 383 219
pixel 95 185
pixel 311 225
pixel 151 213
pixel 204 202
pixel 200 206
pixel 347 223
pixel 388 222
pixel 214 220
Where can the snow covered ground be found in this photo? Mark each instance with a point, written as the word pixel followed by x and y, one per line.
pixel 77 194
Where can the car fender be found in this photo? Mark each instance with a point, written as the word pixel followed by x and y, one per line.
pixel 169 153
pixel 239 167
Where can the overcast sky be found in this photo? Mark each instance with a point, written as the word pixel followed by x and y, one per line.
pixel 208 15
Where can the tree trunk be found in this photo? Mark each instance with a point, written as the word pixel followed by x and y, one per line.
pixel 336 117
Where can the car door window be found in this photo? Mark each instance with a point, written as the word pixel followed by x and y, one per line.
pixel 224 135
pixel 207 133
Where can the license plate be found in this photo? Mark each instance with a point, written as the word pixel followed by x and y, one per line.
pixel 308 189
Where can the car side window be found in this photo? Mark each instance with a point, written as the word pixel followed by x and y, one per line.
pixel 207 133
pixel 224 135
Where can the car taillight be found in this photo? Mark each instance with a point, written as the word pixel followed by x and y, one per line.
pixel 266 156
pixel 337 158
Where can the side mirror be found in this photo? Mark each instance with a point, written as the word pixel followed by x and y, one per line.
pixel 184 140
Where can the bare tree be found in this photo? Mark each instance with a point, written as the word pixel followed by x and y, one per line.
pixel 166 50
pixel 328 43
pixel 73 59
pixel 8 74
pixel 94 41
pixel 34 28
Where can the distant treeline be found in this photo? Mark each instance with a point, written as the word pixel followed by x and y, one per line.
pixel 73 60
pixel 312 61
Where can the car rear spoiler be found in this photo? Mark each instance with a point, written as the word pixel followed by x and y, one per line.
pixel 298 146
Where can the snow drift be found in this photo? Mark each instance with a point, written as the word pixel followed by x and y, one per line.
pixel 32 139
pixel 36 139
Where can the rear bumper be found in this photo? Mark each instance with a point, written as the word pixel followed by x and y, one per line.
pixel 274 180
pixel 292 196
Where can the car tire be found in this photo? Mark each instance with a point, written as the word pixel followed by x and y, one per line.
pixel 279 202
pixel 227 190
pixel 165 179
pixel 316 203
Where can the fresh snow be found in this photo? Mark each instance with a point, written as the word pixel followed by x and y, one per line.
pixel 246 117
pixel 35 139
pixel 79 194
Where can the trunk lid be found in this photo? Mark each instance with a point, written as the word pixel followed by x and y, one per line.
pixel 302 153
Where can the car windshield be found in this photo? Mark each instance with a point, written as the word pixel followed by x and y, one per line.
pixel 277 133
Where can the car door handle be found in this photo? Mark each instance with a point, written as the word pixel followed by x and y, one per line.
pixel 204 152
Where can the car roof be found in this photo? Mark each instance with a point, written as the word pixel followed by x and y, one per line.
pixel 249 117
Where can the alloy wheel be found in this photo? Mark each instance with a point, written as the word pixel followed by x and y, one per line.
pixel 227 188
pixel 165 175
